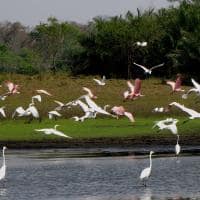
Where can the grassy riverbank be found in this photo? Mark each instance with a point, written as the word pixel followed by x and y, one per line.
pixel 103 129
pixel 93 132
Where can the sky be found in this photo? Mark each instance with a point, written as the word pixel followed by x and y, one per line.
pixel 32 12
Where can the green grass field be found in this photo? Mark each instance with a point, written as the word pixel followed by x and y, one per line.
pixel 100 128
pixel 65 89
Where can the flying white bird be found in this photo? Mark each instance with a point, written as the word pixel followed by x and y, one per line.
pixel 120 111
pixel 193 114
pixel 2 111
pixel 177 147
pixel 160 109
pixel 38 97
pixel 147 171
pixel 3 168
pixel 89 93
pixel 176 86
pixel 54 114
pixel 54 131
pixel 142 44
pixel 134 90
pixel 62 105
pixel 41 91
pixel 146 70
pixel 100 82
pixel 168 123
pixel 195 89
pixel 94 106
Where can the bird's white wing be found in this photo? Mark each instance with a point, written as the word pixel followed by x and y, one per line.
pixel 59 103
pixel 84 107
pixel 145 173
pixel 19 110
pixel 88 91
pixel 97 81
pixel 196 85
pixel 38 97
pixel 94 106
pixel 171 83
pixel 131 86
pixel 33 111
pixel 43 92
pixel 157 66
pixel 141 66
pixel 2 111
pixel 130 116
pixel 59 133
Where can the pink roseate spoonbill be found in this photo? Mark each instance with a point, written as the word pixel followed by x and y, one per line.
pixel 101 82
pixel 145 174
pixel 176 86
pixel 41 91
pixel 12 88
pixel 146 70
pixel 89 93
pixel 177 146
pixel 195 89
pixel 3 168
pixel 53 131
pixel 134 90
pixel 168 123
pixel 54 114
pixel 120 111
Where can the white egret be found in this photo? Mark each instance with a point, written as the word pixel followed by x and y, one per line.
pixel 168 123
pixel 146 70
pixel 177 147
pixel 53 131
pixel 195 89
pixel 100 82
pixel 3 168
pixel 145 174
pixel 54 114
pixel 38 97
pixel 89 93
pixel 193 114
pixel 2 111
pixel 41 91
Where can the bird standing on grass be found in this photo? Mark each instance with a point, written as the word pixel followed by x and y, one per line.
pixel 145 174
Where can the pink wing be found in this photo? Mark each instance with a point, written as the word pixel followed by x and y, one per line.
pixel 10 86
pixel 118 110
pixel 137 87
pixel 178 83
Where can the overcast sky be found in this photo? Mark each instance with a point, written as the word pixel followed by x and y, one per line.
pixel 32 12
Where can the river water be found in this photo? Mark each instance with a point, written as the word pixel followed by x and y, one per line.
pixel 68 174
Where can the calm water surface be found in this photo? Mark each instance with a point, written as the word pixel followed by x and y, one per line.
pixel 54 175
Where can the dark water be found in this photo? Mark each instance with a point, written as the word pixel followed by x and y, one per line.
pixel 53 175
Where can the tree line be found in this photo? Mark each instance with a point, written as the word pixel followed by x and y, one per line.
pixel 107 46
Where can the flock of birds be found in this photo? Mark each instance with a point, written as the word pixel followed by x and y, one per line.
pixel 88 105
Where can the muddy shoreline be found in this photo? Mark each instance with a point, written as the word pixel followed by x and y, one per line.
pixel 102 142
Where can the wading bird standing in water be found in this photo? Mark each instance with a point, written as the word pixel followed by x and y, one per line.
pixel 3 168
pixel 177 147
pixel 145 174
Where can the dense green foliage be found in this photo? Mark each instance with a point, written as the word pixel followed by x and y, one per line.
pixel 107 45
